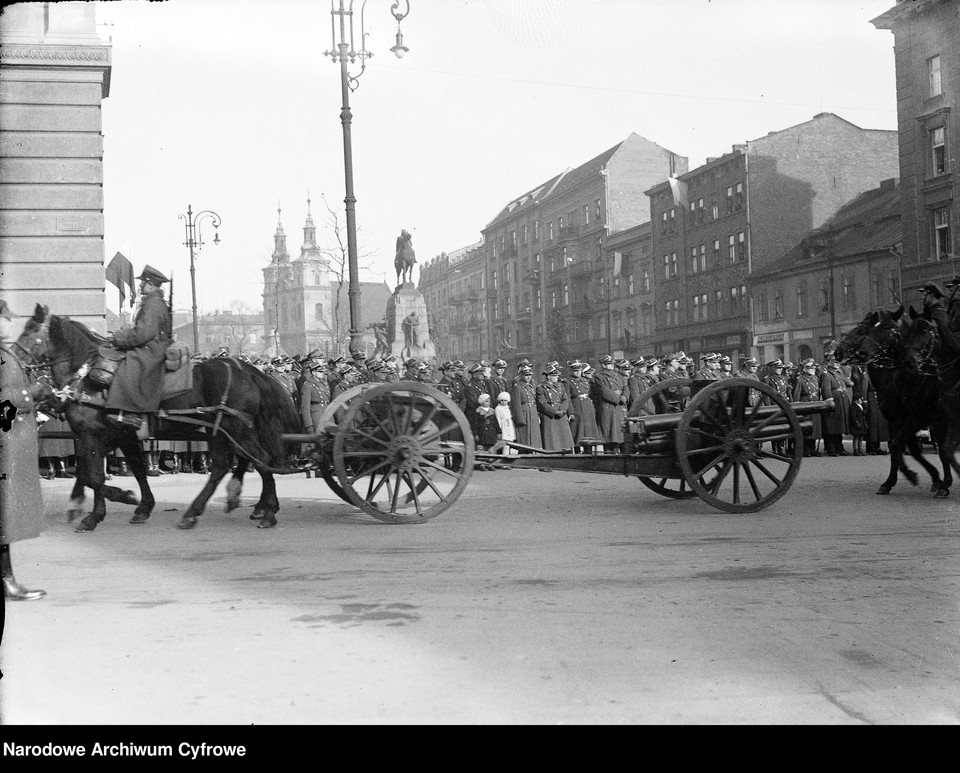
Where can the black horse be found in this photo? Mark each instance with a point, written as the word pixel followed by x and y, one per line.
pixel 907 398
pixel 244 412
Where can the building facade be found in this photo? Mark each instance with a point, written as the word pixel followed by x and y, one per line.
pixel 715 225
pixel 454 288
pixel 829 281
pixel 305 300
pixel 927 59
pixel 54 75
pixel 240 333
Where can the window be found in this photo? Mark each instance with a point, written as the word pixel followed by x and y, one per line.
pixel 731 249
pixel 801 300
pixel 738 196
pixel 729 199
pixel 718 303
pixel 493 279
pixel 938 146
pixel 318 311
pixel 893 283
pixel 849 300
pixel 646 280
pixel 523 234
pixel 596 210
pixel 566 294
pixel 741 246
pixel 700 307
pixel 553 299
pixel 550 231
pixel 941 233
pixel 537 299
pixel 824 295
pixel 586 214
pixel 693 260
pixel 734 300
pixel 716 252
pixel 778 304
pixel 760 302
pixel 933 76
pixel 316 277
pixel 877 290
pixel 630 288
pixel 714 211
pixel 696 308
pixel 699 210
pixel 673 312
pixel 536 230
pixel 508 306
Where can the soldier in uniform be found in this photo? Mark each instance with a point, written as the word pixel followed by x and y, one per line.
pixel 452 385
pixel 676 396
pixel 610 399
pixel 807 390
pixel 553 406
pixel 836 423
pixel 498 382
pixel 710 370
pixel 779 382
pixel 748 369
pixel 583 414
pixel 138 382
pixel 523 404
pixel 425 373
pixel 726 367
pixel 314 397
pixel 476 386
pixel 524 363
pixel 411 370
pixel 348 379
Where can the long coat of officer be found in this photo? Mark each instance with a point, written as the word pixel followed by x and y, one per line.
pixel 451 384
pixel 553 405
pixel 583 421
pixel 138 383
pixel 610 401
pixel 807 390
pixel 523 406
pixel 676 396
pixel 498 382
pixel 314 396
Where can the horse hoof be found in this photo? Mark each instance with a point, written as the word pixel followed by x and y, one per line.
pixel 267 522
pixel 87 524
pixel 883 490
pixel 232 504
pixel 255 516
pixel 72 515
pixel 127 498
pixel 139 518
pixel 187 523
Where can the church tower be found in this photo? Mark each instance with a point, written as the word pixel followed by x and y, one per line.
pixel 313 269
pixel 277 283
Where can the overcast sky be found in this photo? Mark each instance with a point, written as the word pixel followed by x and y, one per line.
pixel 231 105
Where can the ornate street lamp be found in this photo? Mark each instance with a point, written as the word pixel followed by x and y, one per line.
pixel 195 243
pixel 344 52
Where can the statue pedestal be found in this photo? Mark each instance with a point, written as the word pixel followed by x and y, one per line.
pixel 407 342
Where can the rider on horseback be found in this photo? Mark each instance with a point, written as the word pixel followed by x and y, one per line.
pixel 137 386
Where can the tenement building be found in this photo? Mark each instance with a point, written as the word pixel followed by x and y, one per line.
pixel 738 213
pixel 927 59
pixel 830 279
pixel 454 288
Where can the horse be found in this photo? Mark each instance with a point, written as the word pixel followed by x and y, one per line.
pixel 244 413
pixel 405 258
pixel 907 400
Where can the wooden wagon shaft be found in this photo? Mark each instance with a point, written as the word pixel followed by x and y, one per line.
pixel 662 422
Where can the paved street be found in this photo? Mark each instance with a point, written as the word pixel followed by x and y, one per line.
pixel 547 598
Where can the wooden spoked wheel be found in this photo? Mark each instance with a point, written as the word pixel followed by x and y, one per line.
pixel 403 452
pixel 654 396
pixel 735 457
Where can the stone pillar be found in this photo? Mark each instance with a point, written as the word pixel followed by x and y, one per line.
pixel 408 341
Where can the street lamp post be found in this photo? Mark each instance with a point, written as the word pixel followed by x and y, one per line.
pixel 195 243
pixel 345 53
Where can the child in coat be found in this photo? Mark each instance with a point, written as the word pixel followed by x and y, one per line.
pixel 488 430
pixel 505 420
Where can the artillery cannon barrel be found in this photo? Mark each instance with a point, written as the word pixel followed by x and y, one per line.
pixel 662 442
pixel 662 422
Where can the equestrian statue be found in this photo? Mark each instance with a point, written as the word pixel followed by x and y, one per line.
pixel 406 258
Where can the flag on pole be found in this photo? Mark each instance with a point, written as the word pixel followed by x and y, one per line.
pixel 679 190
pixel 119 272
pixel 617 263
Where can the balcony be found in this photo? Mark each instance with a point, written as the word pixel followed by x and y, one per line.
pixel 582 268
pixel 568 232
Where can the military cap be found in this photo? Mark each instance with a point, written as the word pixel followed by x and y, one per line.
pixel 789 364
pixel 446 365
pixel 777 363
pixel 523 362
pixel 151 275
pixel 458 364
pixel 5 310
pixel 710 357
pixel 751 361
pixel 808 363
pixel 389 358
pixel 931 287
pixel 725 360
pixel 485 364
pixel 525 370
pixel 589 370
pixel 671 356
pixel 653 362
pixel 640 362
pixel 575 365
pixel 499 364
pixel 606 360
pixel 375 366
pixel 336 360
pixel 553 364
pixel 624 364
pixel 423 366
pixel 475 368
pixel 955 282
pixel 551 370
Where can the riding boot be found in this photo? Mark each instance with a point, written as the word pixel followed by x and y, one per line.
pixel 50 474
pixel 13 590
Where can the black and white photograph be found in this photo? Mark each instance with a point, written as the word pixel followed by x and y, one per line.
pixel 475 363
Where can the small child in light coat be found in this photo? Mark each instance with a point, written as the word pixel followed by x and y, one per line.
pixel 505 420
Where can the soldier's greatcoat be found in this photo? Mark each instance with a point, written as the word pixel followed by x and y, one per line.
pixel 526 417
pixel 676 396
pixel 584 423
pixel 807 390
pixel 834 384
pixel 313 399
pixel 454 388
pixel 611 404
pixel 138 382
pixel 553 404
pixel 21 504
